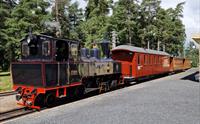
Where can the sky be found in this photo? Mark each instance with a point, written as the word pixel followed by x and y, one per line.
pixel 191 14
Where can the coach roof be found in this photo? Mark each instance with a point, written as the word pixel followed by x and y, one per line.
pixel 139 50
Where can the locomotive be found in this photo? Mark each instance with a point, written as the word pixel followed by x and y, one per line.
pixel 52 68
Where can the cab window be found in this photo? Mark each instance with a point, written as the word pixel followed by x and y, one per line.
pixel 74 51
pixel 46 48
pixel 25 49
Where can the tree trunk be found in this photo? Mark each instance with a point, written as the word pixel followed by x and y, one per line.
pixel 158 45
pixel 164 47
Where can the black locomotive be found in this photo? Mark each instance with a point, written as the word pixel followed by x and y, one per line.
pixel 51 68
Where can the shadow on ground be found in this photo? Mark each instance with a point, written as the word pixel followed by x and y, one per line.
pixel 192 77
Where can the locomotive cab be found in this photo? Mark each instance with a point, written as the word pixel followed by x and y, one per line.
pixel 36 48
pixel 48 65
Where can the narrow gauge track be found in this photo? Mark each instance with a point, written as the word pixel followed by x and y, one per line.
pixel 8 93
pixel 14 113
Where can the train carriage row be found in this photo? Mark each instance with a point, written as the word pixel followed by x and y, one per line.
pixel 51 68
pixel 139 62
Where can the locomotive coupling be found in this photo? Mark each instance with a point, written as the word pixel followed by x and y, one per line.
pixel 29 103
pixel 34 92
pixel 19 90
pixel 18 97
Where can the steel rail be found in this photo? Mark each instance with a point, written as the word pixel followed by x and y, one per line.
pixel 8 93
pixel 14 113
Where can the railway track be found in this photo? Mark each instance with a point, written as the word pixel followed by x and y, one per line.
pixel 8 93
pixel 14 113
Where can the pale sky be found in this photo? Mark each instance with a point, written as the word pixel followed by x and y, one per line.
pixel 191 14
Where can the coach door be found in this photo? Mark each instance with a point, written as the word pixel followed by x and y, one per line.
pixel 138 65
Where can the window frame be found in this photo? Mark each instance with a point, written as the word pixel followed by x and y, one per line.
pixel 23 49
pixel 74 51
pixel 48 50
pixel 138 59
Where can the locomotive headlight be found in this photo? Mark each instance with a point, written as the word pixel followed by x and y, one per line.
pixel 28 40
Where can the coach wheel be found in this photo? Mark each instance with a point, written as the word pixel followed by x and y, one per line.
pixel 50 100
pixel 39 100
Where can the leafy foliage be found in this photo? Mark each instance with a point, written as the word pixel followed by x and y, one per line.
pixel 20 17
pixel 193 54
pixel 5 12
pixel 137 23
pixel 96 21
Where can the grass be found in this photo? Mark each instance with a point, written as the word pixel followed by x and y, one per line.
pixel 5 81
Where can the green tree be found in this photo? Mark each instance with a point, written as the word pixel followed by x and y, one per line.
pixel 26 14
pixel 76 17
pixel 192 53
pixel 123 21
pixel 95 24
pixel 161 27
pixel 177 38
pixel 60 14
pixel 69 17
pixel 5 12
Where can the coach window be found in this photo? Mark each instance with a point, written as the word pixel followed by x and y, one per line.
pixel 146 59
pixel 46 48
pixel 149 59
pixel 138 60
pixel 155 59
pixel 160 59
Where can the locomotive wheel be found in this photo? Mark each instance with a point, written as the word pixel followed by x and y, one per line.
pixel 39 100
pixel 79 92
pixel 50 100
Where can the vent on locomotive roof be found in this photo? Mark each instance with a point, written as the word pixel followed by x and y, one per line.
pixel 95 53
pixel 85 52
pixel 105 48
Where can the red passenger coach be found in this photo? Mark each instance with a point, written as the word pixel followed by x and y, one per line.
pixel 176 64
pixel 138 62
pixel 187 64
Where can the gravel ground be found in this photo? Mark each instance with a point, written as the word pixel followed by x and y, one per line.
pixel 169 100
pixel 8 103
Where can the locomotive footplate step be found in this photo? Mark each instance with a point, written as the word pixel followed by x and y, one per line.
pixel 87 90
